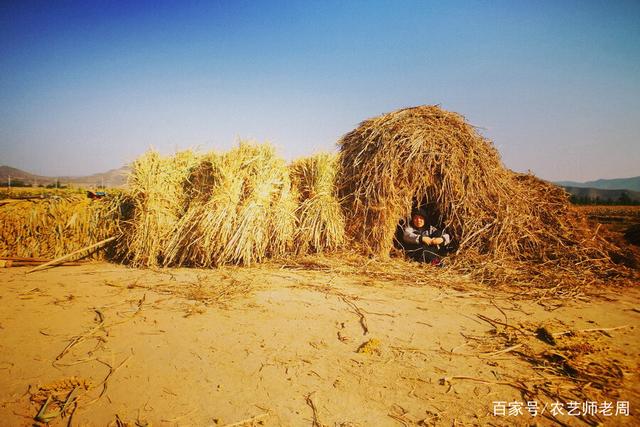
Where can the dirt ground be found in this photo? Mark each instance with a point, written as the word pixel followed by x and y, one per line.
pixel 300 345
pixel 615 218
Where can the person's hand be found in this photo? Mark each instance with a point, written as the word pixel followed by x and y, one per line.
pixel 432 241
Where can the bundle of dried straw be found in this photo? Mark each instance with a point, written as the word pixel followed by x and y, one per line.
pixel 158 197
pixel 320 217
pixel 243 213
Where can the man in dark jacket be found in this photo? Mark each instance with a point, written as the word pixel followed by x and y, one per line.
pixel 424 242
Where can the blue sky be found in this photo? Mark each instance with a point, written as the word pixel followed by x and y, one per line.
pixel 88 86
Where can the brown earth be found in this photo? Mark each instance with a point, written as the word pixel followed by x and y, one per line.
pixel 614 218
pixel 284 344
pixel 623 222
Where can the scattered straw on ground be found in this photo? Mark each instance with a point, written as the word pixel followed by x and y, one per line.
pixel 52 227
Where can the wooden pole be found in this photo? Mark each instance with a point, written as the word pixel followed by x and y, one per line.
pixel 66 257
pixel 6 263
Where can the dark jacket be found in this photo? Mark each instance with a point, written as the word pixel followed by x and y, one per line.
pixel 412 236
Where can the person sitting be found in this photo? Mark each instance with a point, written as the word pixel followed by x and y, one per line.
pixel 424 242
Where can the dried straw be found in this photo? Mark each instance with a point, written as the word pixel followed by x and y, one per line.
pixel 49 228
pixel 156 186
pixel 426 155
pixel 320 219
pixel 245 215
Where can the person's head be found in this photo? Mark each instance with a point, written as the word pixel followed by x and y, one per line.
pixel 417 219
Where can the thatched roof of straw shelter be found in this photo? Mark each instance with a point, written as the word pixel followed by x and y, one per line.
pixel 430 155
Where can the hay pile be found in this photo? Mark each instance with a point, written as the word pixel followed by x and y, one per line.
pixel 246 205
pixel 237 207
pixel 320 217
pixel 49 228
pixel 426 155
pixel 158 198
pixel 239 210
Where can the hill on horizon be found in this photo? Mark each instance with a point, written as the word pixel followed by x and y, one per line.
pixel 111 178
pixel 632 184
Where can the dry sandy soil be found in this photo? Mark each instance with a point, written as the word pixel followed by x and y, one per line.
pixel 284 346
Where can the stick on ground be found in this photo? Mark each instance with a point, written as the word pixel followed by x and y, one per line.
pixel 69 256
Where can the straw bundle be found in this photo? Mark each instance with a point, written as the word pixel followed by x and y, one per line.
pixel 320 217
pixel 245 215
pixel 429 156
pixel 158 197
pixel 49 228
pixel 205 227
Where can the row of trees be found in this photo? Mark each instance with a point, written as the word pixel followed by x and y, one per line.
pixel 623 199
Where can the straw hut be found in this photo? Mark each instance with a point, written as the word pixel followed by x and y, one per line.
pixel 426 156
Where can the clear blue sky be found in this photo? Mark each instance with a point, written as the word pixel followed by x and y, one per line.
pixel 87 86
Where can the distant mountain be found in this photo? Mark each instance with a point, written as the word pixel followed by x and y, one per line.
pixel 112 178
pixel 606 184
pixel 603 195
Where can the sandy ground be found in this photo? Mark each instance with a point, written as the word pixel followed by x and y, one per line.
pixel 212 348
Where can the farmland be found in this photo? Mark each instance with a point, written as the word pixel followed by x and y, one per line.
pixel 324 214
pixel 615 218
pixel 236 289
pixel 281 344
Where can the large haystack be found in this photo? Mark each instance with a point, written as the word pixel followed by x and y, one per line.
pixel 428 155
pixel 320 218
